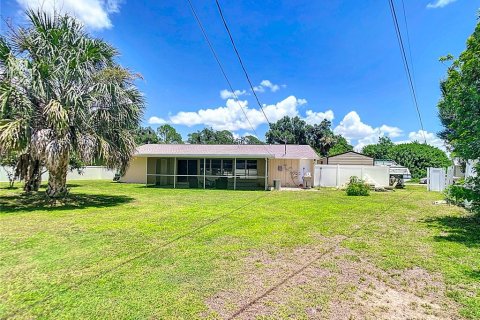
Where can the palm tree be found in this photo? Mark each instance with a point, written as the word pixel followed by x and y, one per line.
pixel 63 95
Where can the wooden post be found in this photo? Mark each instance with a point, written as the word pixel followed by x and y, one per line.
pixel 174 172
pixel 338 174
pixel 146 171
pixel 235 174
pixel 266 174
pixel 204 171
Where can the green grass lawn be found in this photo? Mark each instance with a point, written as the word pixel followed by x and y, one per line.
pixel 127 251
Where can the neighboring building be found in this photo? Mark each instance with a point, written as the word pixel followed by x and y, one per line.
pixel 348 158
pixel 220 166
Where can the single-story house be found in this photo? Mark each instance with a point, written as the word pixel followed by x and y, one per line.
pixel 220 166
pixel 348 158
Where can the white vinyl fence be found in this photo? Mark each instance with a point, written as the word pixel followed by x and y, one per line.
pixel 438 179
pixel 88 173
pixel 338 175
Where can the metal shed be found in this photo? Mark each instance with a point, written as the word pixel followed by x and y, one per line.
pixel 348 158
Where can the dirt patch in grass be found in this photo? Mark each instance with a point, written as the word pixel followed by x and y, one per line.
pixel 339 285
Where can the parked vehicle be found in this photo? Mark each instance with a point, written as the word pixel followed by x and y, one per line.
pixel 398 174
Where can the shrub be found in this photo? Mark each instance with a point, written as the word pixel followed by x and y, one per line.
pixel 418 157
pixel 357 187
pixel 463 195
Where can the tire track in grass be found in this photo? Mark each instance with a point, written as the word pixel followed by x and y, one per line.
pixel 305 266
pixel 116 267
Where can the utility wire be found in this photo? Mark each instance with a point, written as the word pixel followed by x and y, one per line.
pixel 205 36
pixel 118 266
pixel 405 64
pixel 408 40
pixel 240 60
pixel 214 53
pixel 315 259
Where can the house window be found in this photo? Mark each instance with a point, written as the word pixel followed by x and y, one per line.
pixel 217 167
pixel 186 167
pixel 227 167
pixel 246 168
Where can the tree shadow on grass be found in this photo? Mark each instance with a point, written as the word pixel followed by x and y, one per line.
pixel 461 229
pixel 39 201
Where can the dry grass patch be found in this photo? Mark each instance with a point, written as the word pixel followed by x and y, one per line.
pixel 338 285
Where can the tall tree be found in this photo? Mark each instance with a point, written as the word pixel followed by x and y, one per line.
pixel 418 157
pixel 380 150
pixel 296 131
pixel 145 135
pixel 248 139
pixel 341 145
pixel 168 135
pixel 211 136
pixel 459 109
pixel 288 130
pixel 321 137
pixel 62 93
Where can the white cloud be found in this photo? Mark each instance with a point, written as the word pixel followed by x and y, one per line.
pixel 231 117
pixel 268 84
pixel 156 120
pixel 420 136
pixel 439 4
pixel 238 135
pixel 93 13
pixel 353 129
pixel 361 134
pixel 227 94
pixel 392 132
pixel 313 117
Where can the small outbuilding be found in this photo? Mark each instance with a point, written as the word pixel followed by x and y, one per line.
pixel 348 158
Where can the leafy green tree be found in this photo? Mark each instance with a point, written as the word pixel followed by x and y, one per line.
pixel 249 139
pixel 296 131
pixel 459 108
pixel 288 130
pixel 321 137
pixel 381 150
pixel 145 135
pixel 211 136
pixel 168 135
pixel 418 157
pixel 341 145
pixel 62 93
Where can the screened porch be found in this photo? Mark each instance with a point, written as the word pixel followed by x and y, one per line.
pixel 207 173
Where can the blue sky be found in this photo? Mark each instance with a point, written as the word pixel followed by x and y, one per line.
pixel 332 59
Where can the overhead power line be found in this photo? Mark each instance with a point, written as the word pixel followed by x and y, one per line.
pixel 406 66
pixel 217 59
pixel 240 60
pixel 408 40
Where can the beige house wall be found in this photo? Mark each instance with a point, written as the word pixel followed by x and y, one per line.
pixel 136 172
pixel 290 174
pixel 289 171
